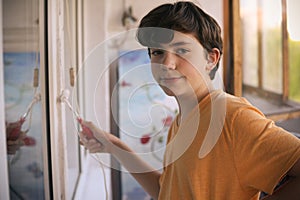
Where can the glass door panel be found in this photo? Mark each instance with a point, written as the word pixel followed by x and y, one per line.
pixel 145 115
pixel 25 116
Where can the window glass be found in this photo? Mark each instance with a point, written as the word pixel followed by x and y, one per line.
pixel 23 109
pixel 271 45
pixel 250 42
pixel 293 16
pixel 145 115
pixel 262 44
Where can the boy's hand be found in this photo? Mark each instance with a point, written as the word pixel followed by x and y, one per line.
pixel 14 145
pixel 14 136
pixel 91 144
pixel 95 139
pixel 13 130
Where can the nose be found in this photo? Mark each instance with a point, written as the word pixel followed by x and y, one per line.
pixel 169 61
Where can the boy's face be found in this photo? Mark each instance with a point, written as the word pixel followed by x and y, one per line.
pixel 179 67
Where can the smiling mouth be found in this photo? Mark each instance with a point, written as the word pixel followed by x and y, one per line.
pixel 171 79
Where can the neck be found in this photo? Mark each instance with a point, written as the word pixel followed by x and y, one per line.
pixel 188 102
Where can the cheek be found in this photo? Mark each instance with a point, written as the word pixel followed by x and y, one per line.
pixel 155 72
pixel 193 67
pixel 199 63
pixel 195 74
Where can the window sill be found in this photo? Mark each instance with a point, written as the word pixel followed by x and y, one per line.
pixel 277 111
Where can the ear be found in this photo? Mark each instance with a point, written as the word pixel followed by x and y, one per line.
pixel 212 59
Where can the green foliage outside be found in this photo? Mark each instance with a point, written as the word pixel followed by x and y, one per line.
pixel 272 60
pixel 294 67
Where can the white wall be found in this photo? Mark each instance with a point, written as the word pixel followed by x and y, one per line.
pixel 140 8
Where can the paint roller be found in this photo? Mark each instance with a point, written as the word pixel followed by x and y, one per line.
pixel 64 97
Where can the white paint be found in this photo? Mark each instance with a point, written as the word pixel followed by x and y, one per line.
pixel 4 190
pixel 56 82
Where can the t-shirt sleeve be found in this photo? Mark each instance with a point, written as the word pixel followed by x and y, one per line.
pixel 263 152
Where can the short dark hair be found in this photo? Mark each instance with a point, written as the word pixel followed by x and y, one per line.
pixel 185 17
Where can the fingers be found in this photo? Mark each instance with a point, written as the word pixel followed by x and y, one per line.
pixel 83 139
pixel 87 124
pixel 95 146
pixel 92 127
pixel 15 142
pixel 13 125
pixel 87 128
pixel 92 145
pixel 13 130
pixel 100 136
pixel 14 146
pixel 12 149
pixel 22 135
pixel 91 131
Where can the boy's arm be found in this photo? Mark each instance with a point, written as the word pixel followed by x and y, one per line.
pixel 147 176
pixel 291 189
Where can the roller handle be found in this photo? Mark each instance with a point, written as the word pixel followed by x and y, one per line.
pixel 86 130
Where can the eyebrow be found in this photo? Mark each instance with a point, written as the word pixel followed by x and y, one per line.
pixel 178 44
pixel 172 44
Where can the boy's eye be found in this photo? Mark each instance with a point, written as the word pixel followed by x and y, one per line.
pixel 157 52
pixel 181 51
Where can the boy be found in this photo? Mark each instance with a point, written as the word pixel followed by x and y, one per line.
pixel 219 146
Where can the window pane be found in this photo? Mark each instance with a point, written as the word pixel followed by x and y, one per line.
pixel 145 114
pixel 23 112
pixel 72 152
pixel 250 42
pixel 293 16
pixel 271 45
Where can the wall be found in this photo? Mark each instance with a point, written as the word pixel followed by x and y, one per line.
pixel 140 8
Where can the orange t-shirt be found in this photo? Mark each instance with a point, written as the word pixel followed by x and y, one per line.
pixel 244 153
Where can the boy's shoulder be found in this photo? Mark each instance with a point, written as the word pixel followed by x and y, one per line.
pixel 236 104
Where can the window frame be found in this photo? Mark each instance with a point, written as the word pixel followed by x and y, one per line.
pixel 233 76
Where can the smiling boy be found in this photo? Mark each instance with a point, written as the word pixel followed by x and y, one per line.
pixel 219 146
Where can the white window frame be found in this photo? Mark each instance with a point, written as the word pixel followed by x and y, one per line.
pixel 4 189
